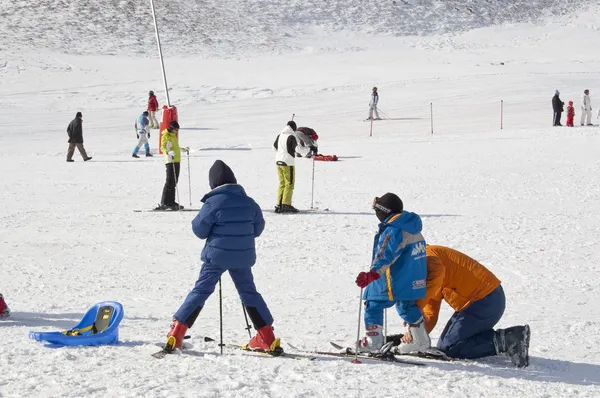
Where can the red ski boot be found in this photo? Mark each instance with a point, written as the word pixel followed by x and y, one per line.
pixel 264 341
pixel 175 336
pixel 4 311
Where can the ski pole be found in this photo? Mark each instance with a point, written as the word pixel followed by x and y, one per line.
pixel 189 176
pixel 248 327
pixel 312 193
pixel 384 325
pixel 221 315
pixel 355 360
pixel 176 185
pixel 293 114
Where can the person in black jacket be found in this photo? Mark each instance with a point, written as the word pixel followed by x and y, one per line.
pixel 557 107
pixel 75 131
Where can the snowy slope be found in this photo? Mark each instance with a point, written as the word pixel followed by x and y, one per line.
pixel 522 200
pixel 230 28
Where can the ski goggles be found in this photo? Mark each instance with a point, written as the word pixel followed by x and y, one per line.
pixel 378 206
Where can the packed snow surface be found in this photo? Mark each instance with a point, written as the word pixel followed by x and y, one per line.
pixel 523 200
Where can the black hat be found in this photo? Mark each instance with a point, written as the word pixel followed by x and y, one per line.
pixel 386 205
pixel 78 114
pixel 292 124
pixel 174 125
pixel 220 174
pixel 145 113
pixel 151 92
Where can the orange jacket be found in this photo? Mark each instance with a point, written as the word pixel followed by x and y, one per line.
pixel 456 278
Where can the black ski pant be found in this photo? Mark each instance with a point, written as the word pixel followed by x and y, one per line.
pixel 557 116
pixel 168 195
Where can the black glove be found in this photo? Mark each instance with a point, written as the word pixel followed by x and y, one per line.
pixel 148 134
pixel 138 136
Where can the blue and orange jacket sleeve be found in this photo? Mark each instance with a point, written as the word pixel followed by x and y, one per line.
pixel 431 303
pixel 386 252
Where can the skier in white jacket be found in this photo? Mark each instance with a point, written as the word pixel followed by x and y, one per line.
pixel 373 105
pixel 586 108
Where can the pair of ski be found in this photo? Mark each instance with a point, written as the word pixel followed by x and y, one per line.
pixel 385 353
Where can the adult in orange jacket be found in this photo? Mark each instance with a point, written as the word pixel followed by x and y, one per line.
pixel 476 295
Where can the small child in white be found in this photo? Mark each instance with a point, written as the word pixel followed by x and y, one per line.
pixel 142 131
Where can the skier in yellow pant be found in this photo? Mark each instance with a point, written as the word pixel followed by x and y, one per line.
pixel 286 145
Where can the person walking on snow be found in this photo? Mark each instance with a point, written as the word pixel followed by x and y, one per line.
pixel 397 276
pixel 152 109
pixel 169 146
pixel 586 108
pixel 4 310
pixel 143 134
pixel 570 114
pixel 230 221
pixel 287 146
pixel 75 132
pixel 478 300
pixel 373 105
pixel 557 107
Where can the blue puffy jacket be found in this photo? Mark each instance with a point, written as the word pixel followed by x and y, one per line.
pixel 399 257
pixel 229 220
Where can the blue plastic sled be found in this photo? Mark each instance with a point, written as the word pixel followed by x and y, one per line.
pixel 99 326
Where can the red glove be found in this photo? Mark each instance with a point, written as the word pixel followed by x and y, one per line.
pixel 364 278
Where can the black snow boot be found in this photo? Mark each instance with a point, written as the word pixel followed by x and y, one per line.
pixel 288 209
pixel 514 343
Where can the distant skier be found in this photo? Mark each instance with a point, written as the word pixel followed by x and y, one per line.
pixel 169 146
pixel 287 147
pixel 308 138
pixel 397 276
pixel 557 107
pixel 586 108
pixel 477 297
pixel 75 132
pixel 570 114
pixel 4 310
pixel 230 221
pixel 143 134
pixel 152 109
pixel 373 105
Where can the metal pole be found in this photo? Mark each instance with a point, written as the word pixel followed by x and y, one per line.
pixel 293 114
pixel 248 327
pixel 431 115
pixel 355 360
pixel 162 64
pixel 221 315
pixel 371 132
pixel 312 192
pixel 189 177
pixel 501 113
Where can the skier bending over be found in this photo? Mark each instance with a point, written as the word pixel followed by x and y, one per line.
pixel 230 221
pixel 4 310
pixel 142 130
pixel 308 139
pixel 398 257
pixel 478 300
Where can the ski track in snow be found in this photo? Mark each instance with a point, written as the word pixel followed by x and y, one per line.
pixel 522 200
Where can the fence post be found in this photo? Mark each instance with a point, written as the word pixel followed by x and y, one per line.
pixel 501 114
pixel 431 115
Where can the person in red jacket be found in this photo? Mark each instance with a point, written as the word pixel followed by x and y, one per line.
pixel 570 114
pixel 4 311
pixel 152 109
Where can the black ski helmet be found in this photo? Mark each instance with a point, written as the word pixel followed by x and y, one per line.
pixel 174 125
pixel 292 124
pixel 151 92
pixel 386 205
pixel 145 113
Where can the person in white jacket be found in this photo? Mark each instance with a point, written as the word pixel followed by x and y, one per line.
pixel 287 146
pixel 373 105
pixel 586 108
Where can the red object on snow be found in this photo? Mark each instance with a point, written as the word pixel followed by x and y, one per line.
pixel 168 115
pixel 326 158
pixel 570 114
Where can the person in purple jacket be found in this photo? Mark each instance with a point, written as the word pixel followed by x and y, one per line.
pixel 230 221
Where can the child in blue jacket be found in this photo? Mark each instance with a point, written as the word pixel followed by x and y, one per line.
pixel 398 275
pixel 229 220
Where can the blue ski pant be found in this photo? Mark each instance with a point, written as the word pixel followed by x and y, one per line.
pixel 205 285
pixel 407 310
pixel 470 332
